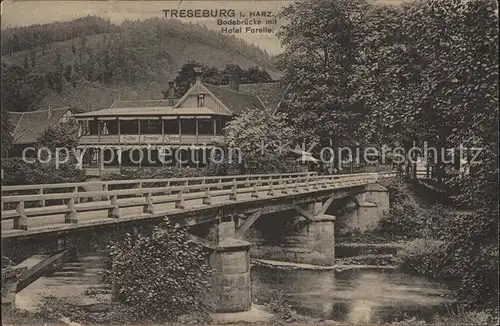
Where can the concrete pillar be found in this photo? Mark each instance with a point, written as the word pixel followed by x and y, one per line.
pixel 313 242
pixel 232 277
pixel 366 210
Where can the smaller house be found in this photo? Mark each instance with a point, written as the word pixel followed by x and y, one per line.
pixel 28 126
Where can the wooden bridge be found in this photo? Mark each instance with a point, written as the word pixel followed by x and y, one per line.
pixel 34 209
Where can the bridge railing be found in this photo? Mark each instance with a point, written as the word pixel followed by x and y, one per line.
pixel 72 203
pixel 137 183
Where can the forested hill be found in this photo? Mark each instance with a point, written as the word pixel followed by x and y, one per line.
pixel 89 62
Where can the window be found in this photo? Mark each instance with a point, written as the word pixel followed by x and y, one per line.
pixel 221 124
pixel 188 126
pixel 129 127
pixel 93 127
pixel 84 128
pixel 104 128
pixel 171 127
pixel 201 100
pixel 151 127
pixel 205 126
pixel 112 126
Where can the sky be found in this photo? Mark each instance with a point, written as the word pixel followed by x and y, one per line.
pixel 25 13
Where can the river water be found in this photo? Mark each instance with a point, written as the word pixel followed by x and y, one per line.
pixel 353 296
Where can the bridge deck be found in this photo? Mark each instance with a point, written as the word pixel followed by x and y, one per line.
pixel 89 208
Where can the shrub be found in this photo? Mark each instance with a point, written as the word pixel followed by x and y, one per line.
pixel 402 220
pixel 255 164
pixel 18 172
pixel 162 276
pixel 422 257
pixel 154 173
pixel 474 317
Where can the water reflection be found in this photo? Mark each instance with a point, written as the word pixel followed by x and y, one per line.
pixel 355 296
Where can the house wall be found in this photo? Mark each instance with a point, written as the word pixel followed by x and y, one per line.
pixel 192 101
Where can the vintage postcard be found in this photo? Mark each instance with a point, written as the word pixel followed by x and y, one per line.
pixel 236 162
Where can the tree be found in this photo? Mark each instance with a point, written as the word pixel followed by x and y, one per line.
pixel 68 73
pixel 20 89
pixel 161 276
pixel 187 76
pixel 7 129
pixel 58 74
pixel 263 139
pixel 424 71
pixel 33 59
pixel 62 135
pixel 321 43
pixel 433 66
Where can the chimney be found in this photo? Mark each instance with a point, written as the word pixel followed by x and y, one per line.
pixel 234 81
pixel 50 112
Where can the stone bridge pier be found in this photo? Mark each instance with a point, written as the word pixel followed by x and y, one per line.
pixel 231 261
pixel 363 211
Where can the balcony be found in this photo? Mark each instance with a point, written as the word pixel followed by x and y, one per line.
pixel 153 139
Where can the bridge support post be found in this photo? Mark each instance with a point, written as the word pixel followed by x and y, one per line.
pixel 365 210
pixel 315 239
pixel 232 277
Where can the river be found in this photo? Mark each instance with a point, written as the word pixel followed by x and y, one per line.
pixel 353 296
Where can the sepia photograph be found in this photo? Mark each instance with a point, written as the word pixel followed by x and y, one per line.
pixel 250 162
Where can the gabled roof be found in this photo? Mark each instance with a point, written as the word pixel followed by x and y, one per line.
pixel 235 101
pixel 149 111
pixel 139 104
pixel 269 93
pixel 28 126
pixel 148 108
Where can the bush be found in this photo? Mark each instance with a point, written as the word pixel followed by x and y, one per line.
pixel 18 172
pixel 270 163
pixel 421 257
pixel 474 317
pixel 163 276
pixel 155 173
pixel 255 164
pixel 402 220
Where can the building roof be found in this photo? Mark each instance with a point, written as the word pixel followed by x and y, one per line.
pixel 28 126
pixel 148 108
pixel 269 93
pixel 235 101
pixel 250 96
pixel 148 111
pixel 139 104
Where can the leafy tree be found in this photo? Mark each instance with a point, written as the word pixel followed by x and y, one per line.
pixel 321 44
pixel 424 71
pixel 7 129
pixel 211 75
pixel 33 59
pixel 58 74
pixel 62 135
pixel 263 139
pixel 162 276
pixel 433 65
pixel 20 89
pixel 68 73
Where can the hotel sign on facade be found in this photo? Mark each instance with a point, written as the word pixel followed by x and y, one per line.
pixel 148 139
